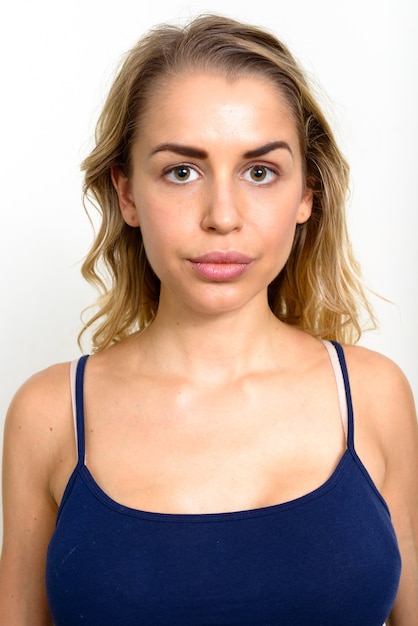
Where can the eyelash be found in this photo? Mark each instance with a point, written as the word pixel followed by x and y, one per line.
pixel 271 173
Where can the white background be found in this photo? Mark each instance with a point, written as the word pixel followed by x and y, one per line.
pixel 57 61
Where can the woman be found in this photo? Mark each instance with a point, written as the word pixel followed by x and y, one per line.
pixel 218 459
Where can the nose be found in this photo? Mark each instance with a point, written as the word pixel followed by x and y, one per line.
pixel 222 207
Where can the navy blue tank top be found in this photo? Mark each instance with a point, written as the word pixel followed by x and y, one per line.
pixel 328 558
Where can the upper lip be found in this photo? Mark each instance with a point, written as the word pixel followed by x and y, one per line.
pixel 222 256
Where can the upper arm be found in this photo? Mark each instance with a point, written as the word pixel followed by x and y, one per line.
pixel 400 490
pixel 388 423
pixel 32 441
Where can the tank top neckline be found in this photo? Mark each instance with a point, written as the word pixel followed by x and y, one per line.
pixel 349 454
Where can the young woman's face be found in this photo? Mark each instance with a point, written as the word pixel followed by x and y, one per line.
pixel 217 188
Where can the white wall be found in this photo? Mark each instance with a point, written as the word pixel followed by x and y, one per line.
pixel 57 58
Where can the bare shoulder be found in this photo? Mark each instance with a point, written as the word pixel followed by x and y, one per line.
pixel 39 415
pixel 52 378
pixel 40 397
pixel 376 365
pixel 381 389
pixel 383 402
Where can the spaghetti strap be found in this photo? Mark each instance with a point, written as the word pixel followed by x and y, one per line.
pixel 342 396
pixel 73 370
pixel 349 404
pixel 77 398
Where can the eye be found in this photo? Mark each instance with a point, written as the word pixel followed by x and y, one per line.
pixel 182 174
pixel 260 174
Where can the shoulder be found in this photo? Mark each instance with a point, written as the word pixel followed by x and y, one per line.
pixel 41 393
pixel 39 420
pixel 377 380
pixel 384 407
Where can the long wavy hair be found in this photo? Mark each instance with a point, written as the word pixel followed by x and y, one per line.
pixel 319 289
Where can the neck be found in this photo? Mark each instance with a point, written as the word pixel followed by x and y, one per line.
pixel 215 348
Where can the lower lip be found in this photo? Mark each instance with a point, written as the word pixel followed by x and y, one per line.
pixel 220 272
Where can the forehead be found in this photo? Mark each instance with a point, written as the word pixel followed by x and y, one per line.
pixel 210 104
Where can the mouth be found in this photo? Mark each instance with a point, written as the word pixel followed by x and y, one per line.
pixel 221 266
pixel 223 257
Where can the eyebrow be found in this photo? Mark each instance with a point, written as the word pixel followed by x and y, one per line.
pixel 196 153
pixel 269 147
pixel 181 149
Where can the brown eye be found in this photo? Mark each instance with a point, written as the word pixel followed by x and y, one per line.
pixel 258 173
pixel 182 174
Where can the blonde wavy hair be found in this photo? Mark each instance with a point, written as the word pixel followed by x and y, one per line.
pixel 319 289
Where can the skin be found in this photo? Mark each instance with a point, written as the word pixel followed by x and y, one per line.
pixel 215 391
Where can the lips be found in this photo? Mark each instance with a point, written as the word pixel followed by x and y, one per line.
pixel 223 257
pixel 221 265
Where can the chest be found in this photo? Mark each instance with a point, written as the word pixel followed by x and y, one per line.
pixel 180 450
pixel 328 558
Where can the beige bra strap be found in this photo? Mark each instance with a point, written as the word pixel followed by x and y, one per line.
pixel 342 399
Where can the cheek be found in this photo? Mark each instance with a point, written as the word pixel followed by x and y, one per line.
pixel 164 217
pixel 279 223
pixel 282 242
pixel 279 229
pixel 159 228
